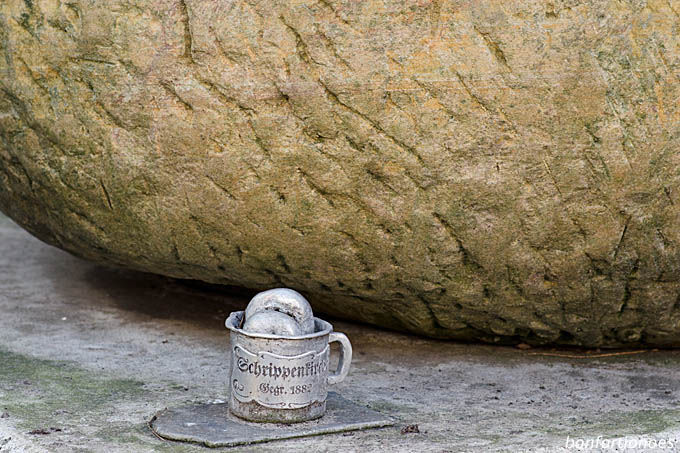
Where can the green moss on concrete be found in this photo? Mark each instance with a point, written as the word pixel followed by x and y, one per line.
pixel 43 393
pixel 615 424
pixel 134 438
pixel 644 422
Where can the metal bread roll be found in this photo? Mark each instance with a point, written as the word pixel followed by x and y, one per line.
pixel 285 301
pixel 274 323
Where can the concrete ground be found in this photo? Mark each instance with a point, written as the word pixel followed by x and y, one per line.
pixel 89 354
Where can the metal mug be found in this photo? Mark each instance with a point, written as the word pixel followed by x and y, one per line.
pixel 283 379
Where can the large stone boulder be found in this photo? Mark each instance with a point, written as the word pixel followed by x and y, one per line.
pixel 504 171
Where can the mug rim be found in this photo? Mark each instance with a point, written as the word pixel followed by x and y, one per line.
pixel 231 324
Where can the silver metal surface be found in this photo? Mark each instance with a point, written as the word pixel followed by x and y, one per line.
pixel 272 322
pixel 212 425
pixel 283 300
pixel 283 379
pixel 288 382
pixel 345 357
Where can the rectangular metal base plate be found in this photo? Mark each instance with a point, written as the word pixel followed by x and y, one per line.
pixel 213 425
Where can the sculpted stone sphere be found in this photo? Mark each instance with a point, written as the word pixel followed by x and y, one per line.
pixel 496 171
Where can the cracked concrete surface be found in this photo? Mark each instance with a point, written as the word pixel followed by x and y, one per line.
pixel 88 354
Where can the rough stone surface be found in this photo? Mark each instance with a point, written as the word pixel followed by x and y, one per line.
pixel 95 353
pixel 486 170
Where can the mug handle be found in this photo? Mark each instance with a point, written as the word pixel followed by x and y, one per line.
pixel 345 357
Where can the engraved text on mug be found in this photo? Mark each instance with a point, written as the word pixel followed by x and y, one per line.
pixel 280 381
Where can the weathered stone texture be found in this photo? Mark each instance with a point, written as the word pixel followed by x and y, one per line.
pixel 463 169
